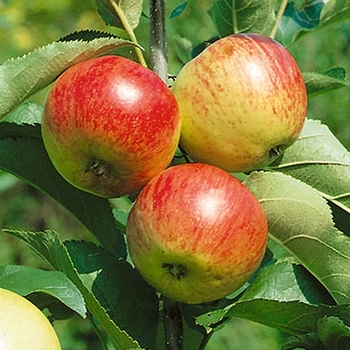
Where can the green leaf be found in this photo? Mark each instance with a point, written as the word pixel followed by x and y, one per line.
pixel 119 289
pixel 272 300
pixel 285 281
pixel 7 181
pixel 211 319
pixel 291 317
pixel 26 113
pixel 283 296
pixel 23 154
pixel 303 341
pixel 178 10
pixel 26 280
pixel 320 160
pixel 189 32
pixel 48 245
pixel 88 35
pixel 253 16
pixel 305 16
pixel 183 48
pixel 333 333
pixel 121 209
pixel 113 15
pixel 301 221
pixel 121 218
pixel 320 82
pixel 298 19
pixel 335 11
pixel 22 77
pixel 278 254
pixel 341 216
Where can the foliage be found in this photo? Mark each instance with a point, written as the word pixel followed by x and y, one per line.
pixel 302 287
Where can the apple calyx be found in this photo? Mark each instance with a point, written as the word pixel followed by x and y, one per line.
pixel 275 152
pixel 176 270
pixel 100 168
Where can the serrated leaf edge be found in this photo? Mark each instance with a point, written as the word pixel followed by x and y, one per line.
pixel 29 58
pixel 92 303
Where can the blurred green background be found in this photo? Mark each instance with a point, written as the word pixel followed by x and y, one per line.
pixel 26 25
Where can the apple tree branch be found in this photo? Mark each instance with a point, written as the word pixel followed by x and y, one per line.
pixel 158 42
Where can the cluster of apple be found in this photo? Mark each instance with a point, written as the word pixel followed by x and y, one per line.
pixel 111 127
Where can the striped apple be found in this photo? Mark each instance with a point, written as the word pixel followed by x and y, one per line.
pixel 242 102
pixel 110 125
pixel 196 233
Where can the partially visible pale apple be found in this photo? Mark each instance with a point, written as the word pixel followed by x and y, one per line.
pixel 242 101
pixel 23 325
pixel 110 125
pixel 196 233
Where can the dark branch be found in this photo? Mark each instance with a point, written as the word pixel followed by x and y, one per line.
pixel 172 325
pixel 158 43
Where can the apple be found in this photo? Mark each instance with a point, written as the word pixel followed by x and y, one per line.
pixel 242 102
pixel 196 233
pixel 110 125
pixel 23 325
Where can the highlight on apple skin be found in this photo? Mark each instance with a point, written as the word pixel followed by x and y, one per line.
pixel 196 233
pixel 242 101
pixel 110 125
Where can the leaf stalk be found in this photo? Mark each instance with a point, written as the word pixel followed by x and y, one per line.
pixel 129 31
pixel 278 18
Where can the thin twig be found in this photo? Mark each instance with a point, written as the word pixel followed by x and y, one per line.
pixel 279 17
pixel 158 42
pixel 129 31
pixel 172 316
pixel 205 340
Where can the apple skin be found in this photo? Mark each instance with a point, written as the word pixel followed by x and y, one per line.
pixel 196 233
pixel 23 325
pixel 110 125
pixel 242 101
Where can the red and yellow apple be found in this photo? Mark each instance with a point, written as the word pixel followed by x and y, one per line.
pixel 196 233
pixel 242 101
pixel 23 325
pixel 110 125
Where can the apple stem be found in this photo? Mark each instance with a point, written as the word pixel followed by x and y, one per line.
pixel 172 318
pixel 158 43
pixel 279 17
